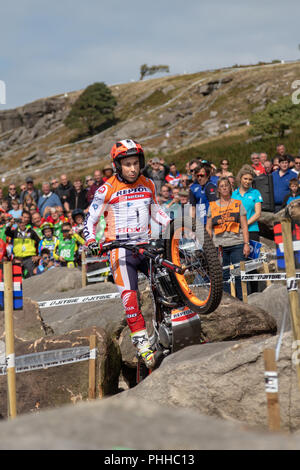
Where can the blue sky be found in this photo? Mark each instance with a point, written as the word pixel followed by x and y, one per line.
pixel 51 47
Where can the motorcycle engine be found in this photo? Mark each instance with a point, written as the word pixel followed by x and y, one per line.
pixel 165 336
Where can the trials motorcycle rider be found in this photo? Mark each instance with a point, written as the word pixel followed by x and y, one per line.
pixel 128 202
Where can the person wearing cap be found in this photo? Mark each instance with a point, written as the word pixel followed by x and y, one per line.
pixel 183 197
pixel 48 239
pixel 157 170
pixel 30 189
pixel 107 172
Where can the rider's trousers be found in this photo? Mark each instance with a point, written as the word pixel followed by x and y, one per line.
pixel 125 266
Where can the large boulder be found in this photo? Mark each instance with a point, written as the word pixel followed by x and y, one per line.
pixel 266 223
pixel 232 320
pixel 225 380
pixel 134 424
pixel 28 323
pixel 55 280
pixel 68 383
pixel 274 300
pixel 107 314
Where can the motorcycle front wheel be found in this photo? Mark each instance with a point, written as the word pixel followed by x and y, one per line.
pixel 201 285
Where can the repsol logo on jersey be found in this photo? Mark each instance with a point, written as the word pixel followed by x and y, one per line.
pixel 139 189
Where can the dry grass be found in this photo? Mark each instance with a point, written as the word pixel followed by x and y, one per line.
pixel 154 99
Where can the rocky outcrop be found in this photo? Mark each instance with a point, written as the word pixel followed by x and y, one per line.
pixel 28 323
pixel 232 320
pixel 113 424
pixel 213 85
pixel 69 383
pixel 165 114
pixel 29 115
pixel 275 300
pixel 225 380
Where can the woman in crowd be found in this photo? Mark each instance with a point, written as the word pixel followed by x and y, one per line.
pixel 227 225
pixel 224 169
pixel 252 200
pixel 29 202
pixel 185 182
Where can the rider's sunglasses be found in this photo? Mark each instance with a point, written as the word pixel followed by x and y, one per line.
pixel 201 175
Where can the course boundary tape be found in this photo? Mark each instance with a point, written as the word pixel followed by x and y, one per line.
pixel 45 359
pixel 77 300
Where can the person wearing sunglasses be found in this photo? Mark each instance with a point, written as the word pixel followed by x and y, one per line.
pixel 202 192
pixel 12 195
pixel 45 263
pixel 224 169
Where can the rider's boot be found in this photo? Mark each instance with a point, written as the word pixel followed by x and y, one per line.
pixel 141 341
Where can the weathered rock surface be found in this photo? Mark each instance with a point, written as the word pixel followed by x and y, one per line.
pixel 55 280
pixel 224 380
pixel 28 324
pixel 107 314
pixel 120 423
pixel 274 299
pixel 146 110
pixel 266 224
pixel 232 320
pixel 55 386
pixel 27 116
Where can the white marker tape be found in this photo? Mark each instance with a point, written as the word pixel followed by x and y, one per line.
pixel 77 300
pixel 266 277
pixel 45 359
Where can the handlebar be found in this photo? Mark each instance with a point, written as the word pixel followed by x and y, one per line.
pixel 141 249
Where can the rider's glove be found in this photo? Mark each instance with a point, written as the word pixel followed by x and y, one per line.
pixel 93 248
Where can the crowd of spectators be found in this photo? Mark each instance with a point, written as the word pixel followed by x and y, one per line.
pixel 42 228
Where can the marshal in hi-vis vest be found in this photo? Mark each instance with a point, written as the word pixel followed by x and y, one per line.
pixel 226 219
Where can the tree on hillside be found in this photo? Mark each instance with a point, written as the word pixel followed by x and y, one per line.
pixel 93 111
pixel 151 70
pixel 276 118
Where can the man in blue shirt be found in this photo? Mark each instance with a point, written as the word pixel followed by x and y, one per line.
pixel 281 180
pixel 202 193
pixel 47 200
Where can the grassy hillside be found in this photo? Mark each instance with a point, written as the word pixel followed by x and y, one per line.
pixel 176 117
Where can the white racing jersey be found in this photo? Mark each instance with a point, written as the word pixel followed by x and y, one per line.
pixel 128 209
